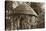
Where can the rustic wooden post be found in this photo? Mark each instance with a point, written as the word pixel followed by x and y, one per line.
pixel 33 22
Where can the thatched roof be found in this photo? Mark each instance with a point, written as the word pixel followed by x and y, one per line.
pixel 25 9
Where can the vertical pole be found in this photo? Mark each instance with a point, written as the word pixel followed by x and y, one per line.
pixel 33 22
pixel 21 23
pixel 12 23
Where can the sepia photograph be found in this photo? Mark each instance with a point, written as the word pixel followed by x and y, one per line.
pixel 22 15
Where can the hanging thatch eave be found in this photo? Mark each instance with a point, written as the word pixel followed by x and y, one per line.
pixel 25 9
